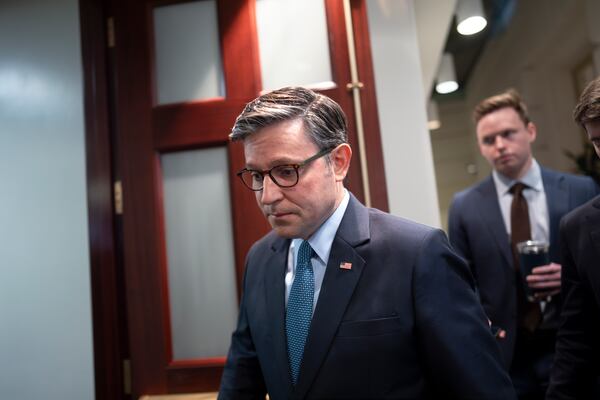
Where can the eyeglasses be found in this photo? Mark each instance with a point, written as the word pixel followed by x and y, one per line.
pixel 284 176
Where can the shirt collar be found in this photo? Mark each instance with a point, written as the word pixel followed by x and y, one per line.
pixel 322 240
pixel 532 178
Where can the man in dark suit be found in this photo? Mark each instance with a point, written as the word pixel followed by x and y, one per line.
pixel 339 300
pixel 576 369
pixel 519 201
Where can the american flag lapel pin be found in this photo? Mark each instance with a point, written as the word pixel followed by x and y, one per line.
pixel 346 265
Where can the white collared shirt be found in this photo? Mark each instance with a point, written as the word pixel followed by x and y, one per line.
pixel 321 242
pixel 536 201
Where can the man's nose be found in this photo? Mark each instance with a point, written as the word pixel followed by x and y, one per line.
pixel 270 192
pixel 499 142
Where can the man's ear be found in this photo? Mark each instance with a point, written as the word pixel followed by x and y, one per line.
pixel 532 129
pixel 340 160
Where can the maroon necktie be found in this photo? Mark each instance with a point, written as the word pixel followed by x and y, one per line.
pixel 529 313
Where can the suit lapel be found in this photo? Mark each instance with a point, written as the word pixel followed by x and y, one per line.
pixel 336 291
pixel 492 217
pixel 275 295
pixel 557 200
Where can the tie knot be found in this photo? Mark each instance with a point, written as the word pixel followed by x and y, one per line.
pixel 517 188
pixel 304 253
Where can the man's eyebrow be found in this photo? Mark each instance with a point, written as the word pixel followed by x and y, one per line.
pixel 275 163
pixel 489 136
pixel 494 134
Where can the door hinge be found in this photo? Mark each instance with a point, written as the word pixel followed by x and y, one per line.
pixel 118 194
pixel 127 376
pixel 110 32
pixel 354 85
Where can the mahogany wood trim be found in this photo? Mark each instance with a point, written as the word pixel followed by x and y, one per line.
pixel 338 46
pixel 140 216
pixel 368 97
pixel 196 124
pixel 237 26
pixel 163 259
pixel 201 362
pixel 108 352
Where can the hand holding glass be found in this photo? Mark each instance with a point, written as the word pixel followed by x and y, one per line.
pixel 532 253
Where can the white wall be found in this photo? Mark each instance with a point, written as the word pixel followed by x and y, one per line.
pixel 408 160
pixel 45 308
pixel 433 19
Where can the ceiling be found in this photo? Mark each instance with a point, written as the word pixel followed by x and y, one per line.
pixel 436 30
pixel 467 49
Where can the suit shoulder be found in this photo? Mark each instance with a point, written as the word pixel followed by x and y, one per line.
pixel 581 180
pixel 267 242
pixel 472 192
pixel 573 179
pixel 576 215
pixel 399 228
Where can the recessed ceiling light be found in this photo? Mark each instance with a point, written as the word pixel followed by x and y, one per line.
pixel 470 17
pixel 446 78
pixel 471 25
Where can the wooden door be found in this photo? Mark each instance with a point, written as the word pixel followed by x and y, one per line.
pixel 151 131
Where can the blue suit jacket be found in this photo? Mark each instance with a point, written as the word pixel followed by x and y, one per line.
pixel 403 322
pixel 477 232
pixel 576 372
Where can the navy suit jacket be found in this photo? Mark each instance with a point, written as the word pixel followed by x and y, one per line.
pixel 576 368
pixel 477 232
pixel 403 322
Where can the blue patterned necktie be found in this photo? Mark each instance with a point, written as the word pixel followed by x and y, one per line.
pixel 299 308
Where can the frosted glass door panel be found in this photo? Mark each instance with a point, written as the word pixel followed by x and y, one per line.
pixel 293 43
pixel 187 55
pixel 200 253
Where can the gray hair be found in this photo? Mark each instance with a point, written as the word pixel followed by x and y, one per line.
pixel 323 118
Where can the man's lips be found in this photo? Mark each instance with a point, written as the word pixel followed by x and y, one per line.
pixel 278 214
pixel 504 158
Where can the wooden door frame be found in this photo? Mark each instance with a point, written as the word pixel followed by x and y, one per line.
pixel 368 98
pixel 109 329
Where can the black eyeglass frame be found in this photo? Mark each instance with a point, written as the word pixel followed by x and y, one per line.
pixel 296 167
